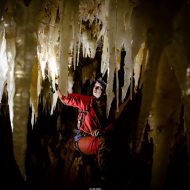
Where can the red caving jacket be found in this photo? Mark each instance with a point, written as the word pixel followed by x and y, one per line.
pixel 87 115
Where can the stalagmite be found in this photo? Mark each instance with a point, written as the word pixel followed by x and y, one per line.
pixel 187 124
pixel 168 113
pixel 157 43
pixel 180 65
pixel 165 111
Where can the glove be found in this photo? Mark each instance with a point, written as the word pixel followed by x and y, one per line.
pixel 96 133
pixel 56 86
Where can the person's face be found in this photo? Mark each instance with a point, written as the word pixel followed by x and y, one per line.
pixel 97 90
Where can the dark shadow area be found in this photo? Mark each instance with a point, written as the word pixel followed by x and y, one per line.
pixel 10 174
pixel 52 162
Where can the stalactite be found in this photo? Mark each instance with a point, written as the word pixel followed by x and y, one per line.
pixel 11 53
pixel 105 54
pixel 48 43
pixel 144 66
pixel 108 50
pixel 3 60
pixel 53 39
pixel 26 27
pixel 34 91
pixel 90 26
pixel 47 35
pixel 119 35
pixel 125 37
pixel 117 58
pixel 78 48
pixel 112 62
pixel 76 34
pixel 138 62
pixel 88 44
pixel 44 18
pixel 52 44
pixel 104 34
pixel 118 62
pixel 67 14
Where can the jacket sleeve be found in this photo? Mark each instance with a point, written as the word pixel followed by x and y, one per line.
pixel 74 100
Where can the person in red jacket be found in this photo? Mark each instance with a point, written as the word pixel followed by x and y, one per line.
pixel 93 124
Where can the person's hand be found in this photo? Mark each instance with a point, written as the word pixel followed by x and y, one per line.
pixel 95 133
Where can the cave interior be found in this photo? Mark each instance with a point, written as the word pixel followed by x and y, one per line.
pixel 140 47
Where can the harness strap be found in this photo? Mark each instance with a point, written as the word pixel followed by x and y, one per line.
pixel 81 115
pixel 78 134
